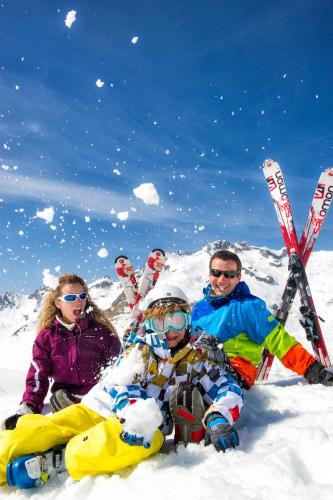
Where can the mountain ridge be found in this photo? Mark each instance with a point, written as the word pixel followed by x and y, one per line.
pixel 264 269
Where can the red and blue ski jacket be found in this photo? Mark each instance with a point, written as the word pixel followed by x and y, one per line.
pixel 73 360
pixel 245 326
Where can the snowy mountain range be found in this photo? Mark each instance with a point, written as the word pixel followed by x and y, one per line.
pixel 286 428
pixel 265 271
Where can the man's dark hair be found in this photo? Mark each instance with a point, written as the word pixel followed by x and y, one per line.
pixel 226 255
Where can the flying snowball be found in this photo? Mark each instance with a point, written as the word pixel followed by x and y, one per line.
pixel 47 214
pixel 135 40
pixel 99 83
pixel 122 215
pixel 70 18
pixel 147 193
pixel 102 253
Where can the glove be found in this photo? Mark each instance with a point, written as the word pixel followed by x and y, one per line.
pixel 140 418
pixel 133 439
pixel 220 433
pixel 210 343
pixel 61 399
pixel 217 354
pixel 11 422
pixel 127 333
pixel 318 374
pixel 134 330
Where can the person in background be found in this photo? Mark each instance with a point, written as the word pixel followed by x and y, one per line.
pixel 124 421
pixel 75 343
pixel 245 326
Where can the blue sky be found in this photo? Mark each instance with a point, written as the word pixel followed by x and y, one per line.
pixel 209 90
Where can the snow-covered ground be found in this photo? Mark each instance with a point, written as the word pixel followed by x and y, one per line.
pixel 286 427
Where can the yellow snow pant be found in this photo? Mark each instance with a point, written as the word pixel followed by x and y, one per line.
pixel 94 444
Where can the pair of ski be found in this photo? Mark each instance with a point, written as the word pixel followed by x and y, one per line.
pixel 299 253
pixel 134 291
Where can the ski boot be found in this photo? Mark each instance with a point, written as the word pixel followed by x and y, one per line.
pixel 32 471
pixel 187 410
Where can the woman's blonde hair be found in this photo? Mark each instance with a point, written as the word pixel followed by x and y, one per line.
pixel 49 309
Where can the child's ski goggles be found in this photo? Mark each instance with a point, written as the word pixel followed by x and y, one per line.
pixel 176 321
pixel 71 297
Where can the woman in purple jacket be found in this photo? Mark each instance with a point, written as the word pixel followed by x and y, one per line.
pixel 75 343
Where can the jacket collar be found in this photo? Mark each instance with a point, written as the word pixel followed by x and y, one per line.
pixel 82 324
pixel 69 327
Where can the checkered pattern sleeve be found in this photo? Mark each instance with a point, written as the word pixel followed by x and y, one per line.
pixel 220 391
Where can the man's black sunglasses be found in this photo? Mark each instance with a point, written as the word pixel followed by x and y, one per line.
pixel 227 274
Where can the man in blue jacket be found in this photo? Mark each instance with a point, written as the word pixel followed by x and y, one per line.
pixel 245 326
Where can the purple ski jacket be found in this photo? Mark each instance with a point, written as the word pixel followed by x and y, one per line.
pixel 72 359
